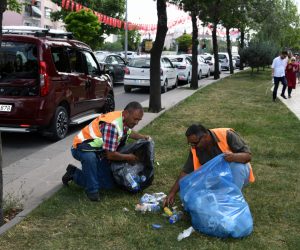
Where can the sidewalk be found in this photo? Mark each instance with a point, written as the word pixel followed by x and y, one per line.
pixel 292 103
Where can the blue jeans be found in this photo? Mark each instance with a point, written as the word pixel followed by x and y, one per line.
pixel 240 173
pixel 95 174
pixel 276 83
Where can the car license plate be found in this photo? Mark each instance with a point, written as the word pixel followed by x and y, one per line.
pixel 5 108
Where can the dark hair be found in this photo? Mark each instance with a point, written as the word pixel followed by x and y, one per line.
pixel 196 129
pixel 133 106
pixel 284 52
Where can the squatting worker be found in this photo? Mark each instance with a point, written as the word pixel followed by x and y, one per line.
pixel 96 144
pixel 208 143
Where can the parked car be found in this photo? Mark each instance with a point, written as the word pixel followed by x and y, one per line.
pixel 130 54
pixel 203 67
pixel 113 65
pixel 237 60
pixel 49 81
pixel 210 60
pixel 224 59
pixel 183 65
pixel 138 74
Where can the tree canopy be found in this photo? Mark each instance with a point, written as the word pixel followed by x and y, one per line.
pixel 85 27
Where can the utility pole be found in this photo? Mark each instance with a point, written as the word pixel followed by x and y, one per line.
pixel 126 31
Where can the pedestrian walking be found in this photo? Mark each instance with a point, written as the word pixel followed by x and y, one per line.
pixel 291 71
pixel 278 72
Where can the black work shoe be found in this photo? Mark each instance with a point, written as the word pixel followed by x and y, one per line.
pixel 68 176
pixel 283 96
pixel 93 196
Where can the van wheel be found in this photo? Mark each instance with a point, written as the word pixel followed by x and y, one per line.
pixel 109 105
pixel 60 124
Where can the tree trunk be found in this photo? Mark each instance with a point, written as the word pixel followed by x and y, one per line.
pixel 216 50
pixel 229 50
pixel 3 5
pixel 1 185
pixel 158 45
pixel 242 45
pixel 194 83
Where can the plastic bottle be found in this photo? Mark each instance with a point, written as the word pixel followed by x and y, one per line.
pixel 140 179
pixel 168 211
pixel 147 207
pixel 175 217
pixel 133 184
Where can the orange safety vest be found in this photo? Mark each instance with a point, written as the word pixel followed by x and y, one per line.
pixel 92 131
pixel 221 134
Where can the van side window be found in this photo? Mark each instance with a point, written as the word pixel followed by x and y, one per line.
pixel 92 66
pixel 76 61
pixel 60 59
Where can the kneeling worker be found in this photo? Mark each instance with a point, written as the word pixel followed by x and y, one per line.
pixel 208 143
pixel 97 144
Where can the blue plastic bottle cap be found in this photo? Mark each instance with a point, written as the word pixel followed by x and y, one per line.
pixel 156 226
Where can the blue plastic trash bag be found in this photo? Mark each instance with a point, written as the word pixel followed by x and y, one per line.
pixel 216 205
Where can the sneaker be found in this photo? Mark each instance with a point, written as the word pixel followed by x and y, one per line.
pixel 290 96
pixel 93 196
pixel 68 176
pixel 283 96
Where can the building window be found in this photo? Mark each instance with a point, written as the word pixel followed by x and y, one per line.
pixel 48 12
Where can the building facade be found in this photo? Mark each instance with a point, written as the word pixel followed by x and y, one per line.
pixel 35 13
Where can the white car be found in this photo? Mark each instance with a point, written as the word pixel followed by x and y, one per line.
pixel 183 65
pixel 224 60
pixel 211 62
pixel 203 68
pixel 137 74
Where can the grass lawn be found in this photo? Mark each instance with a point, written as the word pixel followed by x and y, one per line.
pixel 243 102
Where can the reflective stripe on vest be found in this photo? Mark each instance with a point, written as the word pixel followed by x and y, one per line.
pixel 92 131
pixel 221 134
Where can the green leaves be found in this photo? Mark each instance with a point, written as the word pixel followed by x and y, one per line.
pixel 85 27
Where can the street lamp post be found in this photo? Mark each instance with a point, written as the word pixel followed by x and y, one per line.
pixel 126 32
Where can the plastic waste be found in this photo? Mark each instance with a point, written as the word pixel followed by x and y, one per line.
pixel 140 179
pixel 186 233
pixel 175 217
pixel 156 226
pixel 168 211
pixel 216 205
pixel 153 198
pixel 133 184
pixel 141 171
pixel 147 207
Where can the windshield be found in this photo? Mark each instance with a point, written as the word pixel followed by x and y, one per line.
pixel 18 61
pixel 139 63
pixel 177 59
pixel 100 57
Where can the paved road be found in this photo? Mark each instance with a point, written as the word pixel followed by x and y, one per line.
pixel 17 146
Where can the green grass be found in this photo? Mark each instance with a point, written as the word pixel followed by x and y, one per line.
pixel 243 102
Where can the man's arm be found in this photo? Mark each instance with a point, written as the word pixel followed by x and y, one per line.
pixel 169 200
pixel 243 157
pixel 117 156
pixel 136 136
pixel 240 151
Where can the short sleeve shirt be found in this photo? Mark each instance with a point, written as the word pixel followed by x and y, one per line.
pixel 279 66
pixel 234 141
pixel 110 136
